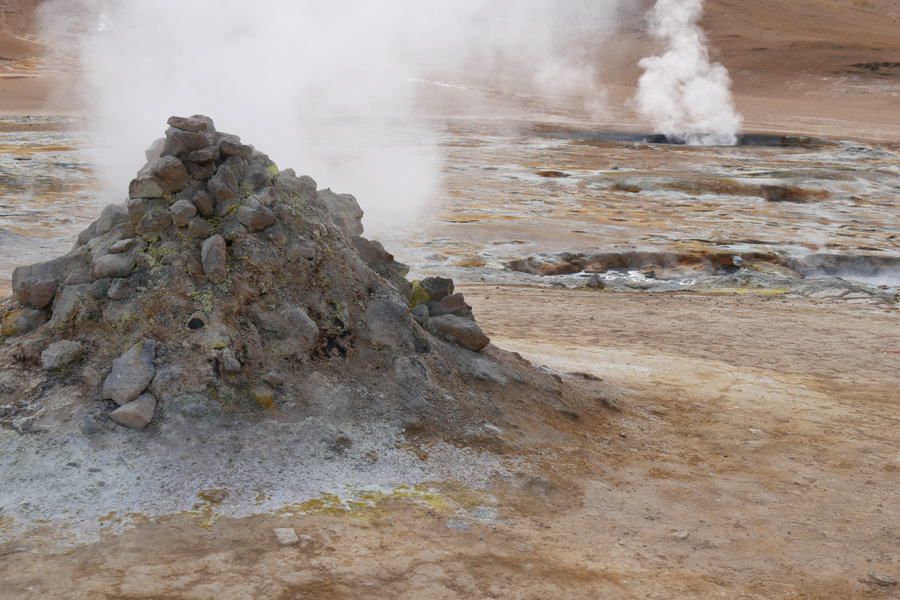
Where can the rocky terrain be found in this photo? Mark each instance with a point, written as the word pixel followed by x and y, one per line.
pixel 232 312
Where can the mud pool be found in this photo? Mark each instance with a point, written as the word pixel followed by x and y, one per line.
pixel 511 190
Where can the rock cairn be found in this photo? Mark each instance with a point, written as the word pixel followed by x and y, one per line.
pixel 224 284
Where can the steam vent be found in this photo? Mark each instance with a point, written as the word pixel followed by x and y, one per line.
pixel 228 327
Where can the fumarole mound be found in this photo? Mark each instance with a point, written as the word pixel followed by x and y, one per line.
pixel 224 292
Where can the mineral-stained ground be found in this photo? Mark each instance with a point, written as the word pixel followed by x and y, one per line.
pixel 710 404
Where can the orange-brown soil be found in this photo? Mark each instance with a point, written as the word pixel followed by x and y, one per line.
pixel 755 455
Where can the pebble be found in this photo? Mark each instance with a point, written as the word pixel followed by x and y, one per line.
pixel 286 536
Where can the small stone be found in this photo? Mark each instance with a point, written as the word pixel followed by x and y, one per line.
pixel 201 171
pixel 453 304
pixel 213 256
pixel 213 496
pixel 595 282
pixel 182 212
pixel 121 246
pixel 37 293
pixel 119 289
pixel 595 268
pixel 255 218
pixel 136 414
pixel 233 147
pixel 131 373
pixel 882 580
pixel 681 535
pixel 154 220
pixel 113 265
pixel 187 123
pixel 198 228
pixel 60 354
pixel 230 363
pixel 457 524
pixel 205 204
pixel 459 330
pixel 420 313
pixel 286 536
pixel 204 155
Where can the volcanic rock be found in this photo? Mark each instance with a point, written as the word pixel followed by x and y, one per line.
pixel 213 256
pixel 36 293
pixel 464 332
pixel 137 414
pixel 131 373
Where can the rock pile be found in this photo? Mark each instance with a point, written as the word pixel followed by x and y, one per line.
pixel 225 288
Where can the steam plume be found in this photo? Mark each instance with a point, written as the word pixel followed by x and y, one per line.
pixel 328 88
pixel 687 97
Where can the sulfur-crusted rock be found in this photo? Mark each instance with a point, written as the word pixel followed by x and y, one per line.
pixel 464 332
pixel 255 218
pixel 22 321
pixel 131 373
pixel 136 414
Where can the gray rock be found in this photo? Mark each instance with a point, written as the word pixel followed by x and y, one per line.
pixel 87 235
pixel 212 257
pixel 230 363
pixel 459 330
pixel 136 414
pixel 154 220
pixel 146 185
pixel 344 211
pixel 131 373
pixel 205 204
pixel 182 212
pixel 111 216
pixel 189 123
pixel 61 354
pixel 113 265
pixel 255 218
pixel 595 282
pixel 420 313
pixel 36 293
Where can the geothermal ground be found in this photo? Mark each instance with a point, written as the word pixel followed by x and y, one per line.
pixel 754 454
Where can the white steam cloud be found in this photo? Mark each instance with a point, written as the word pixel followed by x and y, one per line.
pixel 330 89
pixel 686 96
